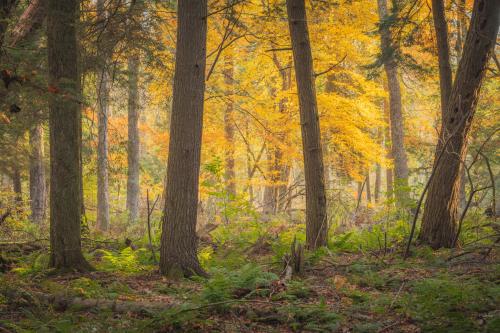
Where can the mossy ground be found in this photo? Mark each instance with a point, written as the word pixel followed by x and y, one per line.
pixel 339 292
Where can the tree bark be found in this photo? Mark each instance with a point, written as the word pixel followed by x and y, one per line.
pixel 270 199
pixel 37 175
pixel 178 253
pixel 443 48
pixel 102 136
pixel 378 181
pixel 396 109
pixel 368 188
pixel 17 184
pixel 31 19
pixel 439 222
pixel 65 125
pixel 229 174
pixel 133 185
pixel 316 216
pixel 6 8
pixel 387 140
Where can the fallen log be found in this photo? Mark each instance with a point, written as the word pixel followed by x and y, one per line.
pixel 64 303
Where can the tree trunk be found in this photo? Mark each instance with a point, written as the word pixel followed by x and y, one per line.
pixel 461 28
pixel 133 185
pixel 37 175
pixel 378 169
pixel 229 174
pixel 17 184
pixel 282 166
pixel 316 217
pixel 31 19
pixel 65 125
pixel 6 8
pixel 368 188
pixel 396 109
pixel 443 48
pixel 361 186
pixel 387 140
pixel 270 194
pixel 439 222
pixel 178 240
pixel 378 180
pixel 102 137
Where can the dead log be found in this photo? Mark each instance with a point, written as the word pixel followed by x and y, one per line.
pixel 63 303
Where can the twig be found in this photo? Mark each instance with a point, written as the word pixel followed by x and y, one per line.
pixel 330 68
pixel 397 295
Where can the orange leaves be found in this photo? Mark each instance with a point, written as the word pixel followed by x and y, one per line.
pixel 53 89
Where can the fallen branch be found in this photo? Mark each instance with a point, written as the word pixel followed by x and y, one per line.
pixel 63 303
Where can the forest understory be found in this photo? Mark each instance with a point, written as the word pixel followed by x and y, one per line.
pixel 354 285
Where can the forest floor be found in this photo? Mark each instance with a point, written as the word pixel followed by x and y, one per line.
pixel 338 292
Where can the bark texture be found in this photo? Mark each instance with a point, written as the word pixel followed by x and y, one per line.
pixel 316 217
pixel 65 126
pixel 178 241
pixel 30 20
pixel 439 222
pixel 37 175
pixel 395 105
pixel 102 129
pixel 443 48
pixel 133 185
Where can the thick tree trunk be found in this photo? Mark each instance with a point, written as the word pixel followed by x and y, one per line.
pixel 316 217
pixel 439 222
pixel 396 109
pixel 31 19
pixel 102 129
pixel 178 253
pixel 37 175
pixel 133 185
pixel 229 175
pixel 65 125
pixel 443 48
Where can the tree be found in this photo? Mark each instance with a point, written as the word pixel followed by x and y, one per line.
pixel 136 10
pixel 229 127
pixel 316 217
pixel 6 8
pixel 178 240
pixel 37 174
pixel 133 185
pixel 103 114
pixel 31 19
pixel 65 126
pixel 443 47
pixel 395 104
pixel 439 221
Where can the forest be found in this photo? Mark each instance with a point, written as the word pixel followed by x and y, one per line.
pixel 249 166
